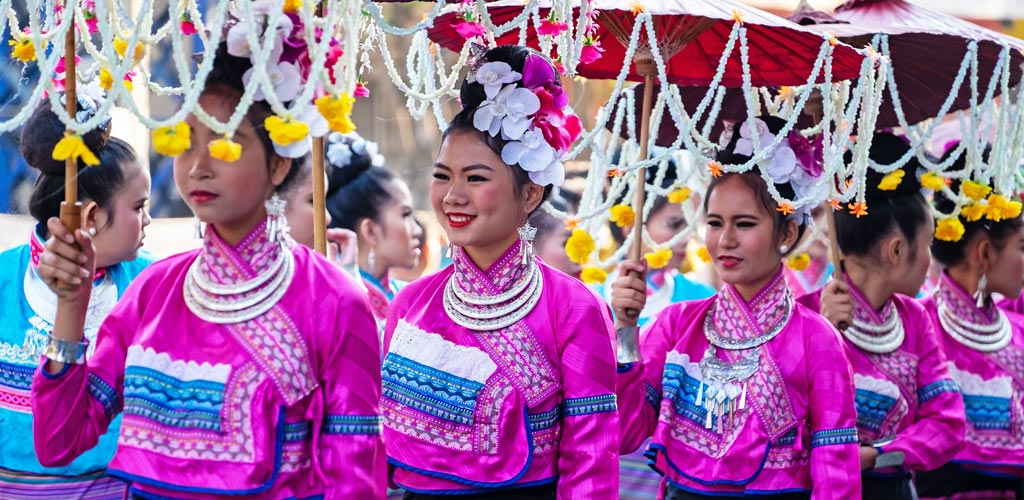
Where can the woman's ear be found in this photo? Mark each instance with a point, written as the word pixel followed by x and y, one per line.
pixel 984 253
pixel 532 194
pixel 894 250
pixel 279 167
pixel 790 233
pixel 91 216
pixel 369 231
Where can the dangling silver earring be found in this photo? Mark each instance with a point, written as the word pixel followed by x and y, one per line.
pixel 371 261
pixel 783 249
pixel 980 296
pixel 526 235
pixel 450 253
pixel 277 224
pixel 198 228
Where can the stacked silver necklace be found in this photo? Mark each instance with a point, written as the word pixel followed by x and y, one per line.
pixel 725 382
pixel 238 302
pixel 985 338
pixel 878 339
pixel 487 313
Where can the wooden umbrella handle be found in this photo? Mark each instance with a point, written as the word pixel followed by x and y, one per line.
pixel 70 208
pixel 641 182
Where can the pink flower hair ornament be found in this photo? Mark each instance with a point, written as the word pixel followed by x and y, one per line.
pixel 531 111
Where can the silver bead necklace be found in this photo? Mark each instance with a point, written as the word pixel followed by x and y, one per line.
pixel 980 337
pixel 878 339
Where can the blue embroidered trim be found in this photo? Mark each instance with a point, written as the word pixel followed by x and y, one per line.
pixel 652 396
pixel 546 420
pixel 297 431
pixel 788 438
pixel 934 389
pixel 682 389
pixel 872 409
pixel 352 424
pixel 847 435
pixel 429 390
pixel 193 404
pixel 105 394
pixel 16 376
pixel 575 407
pixel 987 412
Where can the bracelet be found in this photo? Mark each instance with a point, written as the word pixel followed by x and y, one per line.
pixel 66 351
pixel 627 340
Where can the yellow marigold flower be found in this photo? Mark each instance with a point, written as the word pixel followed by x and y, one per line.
pixel 680 195
pixel 999 208
pixel 949 229
pixel 106 79
pixel 225 149
pixel 72 146
pixel 172 141
pixel 933 181
pixel 622 215
pixel 292 5
pixel 593 275
pixel 24 50
pixel 799 262
pixel 659 259
pixel 892 180
pixel 703 254
pixel 974 211
pixel 338 112
pixel 121 46
pixel 579 246
pixel 975 190
pixel 285 131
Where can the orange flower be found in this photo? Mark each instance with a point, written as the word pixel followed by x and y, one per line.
pixel 737 16
pixel 572 223
pixel 832 40
pixel 615 173
pixel 715 168
pixel 637 7
pixel 834 204
pixel 785 208
pixel 860 208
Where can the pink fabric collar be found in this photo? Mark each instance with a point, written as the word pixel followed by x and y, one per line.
pixel 962 304
pixel 737 319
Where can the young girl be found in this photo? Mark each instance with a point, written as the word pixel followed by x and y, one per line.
pixel 114 195
pixel 499 372
pixel 248 367
pixel 375 204
pixel 747 394
pixel 910 416
pixel 985 349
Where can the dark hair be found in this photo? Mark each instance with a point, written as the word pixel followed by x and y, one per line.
pixel 903 209
pixel 357 190
pixel 753 180
pixel 98 183
pixel 472 94
pixel 226 75
pixel 951 253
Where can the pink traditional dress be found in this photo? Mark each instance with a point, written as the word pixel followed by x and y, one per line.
pixel 1014 305
pixel 908 406
pixel 985 349
pixel 500 381
pixel 238 370
pixel 744 399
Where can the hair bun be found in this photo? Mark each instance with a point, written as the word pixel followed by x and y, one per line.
pixel 44 130
pixel 886 149
pixel 349 156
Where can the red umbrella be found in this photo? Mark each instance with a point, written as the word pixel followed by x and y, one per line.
pixel 926 49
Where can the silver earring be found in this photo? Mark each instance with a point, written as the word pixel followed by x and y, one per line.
pixel 198 228
pixel 783 249
pixel 277 224
pixel 92 231
pixel 371 261
pixel 450 254
pixel 526 235
pixel 980 295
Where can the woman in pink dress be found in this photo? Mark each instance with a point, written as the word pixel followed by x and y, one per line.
pixel 499 371
pixel 248 367
pixel 747 393
pixel 910 416
pixel 985 348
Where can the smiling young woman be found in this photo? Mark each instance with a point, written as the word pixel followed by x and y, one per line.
pixel 499 373
pixel 247 367
pixel 746 393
